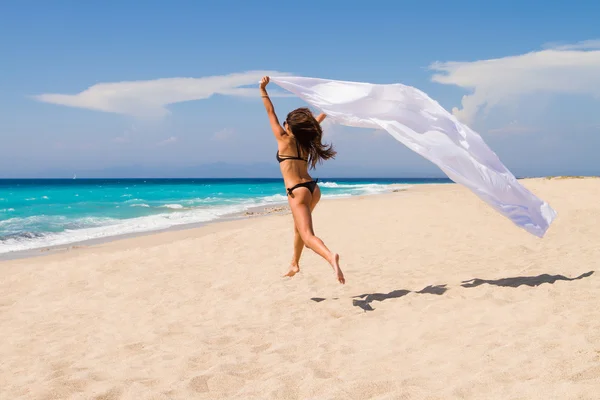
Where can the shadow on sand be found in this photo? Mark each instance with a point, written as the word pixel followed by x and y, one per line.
pixel 367 299
pixel 364 300
pixel 523 280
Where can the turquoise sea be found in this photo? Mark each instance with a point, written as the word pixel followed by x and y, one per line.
pixel 37 213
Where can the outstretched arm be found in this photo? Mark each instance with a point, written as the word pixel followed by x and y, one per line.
pixel 321 117
pixel 275 126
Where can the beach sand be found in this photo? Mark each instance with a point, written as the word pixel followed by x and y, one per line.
pixel 445 299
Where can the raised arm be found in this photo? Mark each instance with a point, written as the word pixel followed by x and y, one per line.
pixel 275 126
pixel 321 117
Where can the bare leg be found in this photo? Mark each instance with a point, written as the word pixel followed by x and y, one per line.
pixel 298 246
pixel 303 220
pixel 298 242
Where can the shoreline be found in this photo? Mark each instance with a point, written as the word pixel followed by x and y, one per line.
pixel 68 247
pixel 249 214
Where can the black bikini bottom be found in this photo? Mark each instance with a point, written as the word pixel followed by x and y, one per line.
pixel 311 185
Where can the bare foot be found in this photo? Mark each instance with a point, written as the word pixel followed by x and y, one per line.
pixel 294 269
pixel 335 264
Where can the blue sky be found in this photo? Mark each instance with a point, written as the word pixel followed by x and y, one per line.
pixel 536 65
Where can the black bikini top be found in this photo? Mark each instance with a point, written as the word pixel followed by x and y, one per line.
pixel 283 158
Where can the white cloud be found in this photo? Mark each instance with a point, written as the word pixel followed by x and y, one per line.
pixel 168 141
pixel 149 99
pixel 567 69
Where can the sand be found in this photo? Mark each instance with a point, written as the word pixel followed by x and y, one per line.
pixel 445 299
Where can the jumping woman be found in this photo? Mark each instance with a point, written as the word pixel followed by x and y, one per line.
pixel 298 147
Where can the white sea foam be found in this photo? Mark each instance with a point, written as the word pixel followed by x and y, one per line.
pixel 7 210
pixel 139 205
pixel 203 200
pixel 45 197
pixel 114 227
pixel 363 188
pixel 276 198
pixel 173 206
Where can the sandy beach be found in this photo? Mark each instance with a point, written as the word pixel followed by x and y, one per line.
pixel 444 299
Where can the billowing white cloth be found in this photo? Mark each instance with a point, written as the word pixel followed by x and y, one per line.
pixel 420 123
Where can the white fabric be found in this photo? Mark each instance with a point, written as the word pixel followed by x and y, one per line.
pixel 420 123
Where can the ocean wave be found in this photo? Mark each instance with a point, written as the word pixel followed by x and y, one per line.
pixel 383 189
pixel 220 201
pixel 204 200
pixel 363 188
pixel 87 222
pixel 45 197
pixel 50 222
pixel 276 198
pixel 30 199
pixel 7 210
pixel 115 228
pixel 335 185
pixel 173 206
pixel 21 236
pixel 139 205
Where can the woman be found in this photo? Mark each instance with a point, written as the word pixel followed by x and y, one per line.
pixel 298 146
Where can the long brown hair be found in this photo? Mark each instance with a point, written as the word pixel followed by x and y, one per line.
pixel 308 132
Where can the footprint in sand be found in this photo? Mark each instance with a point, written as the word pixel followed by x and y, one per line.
pixel 199 384
pixel 369 389
pixel 135 347
pixel 587 374
pixel 112 394
pixel 64 389
pixel 321 373
pixel 260 348
pixel 224 384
